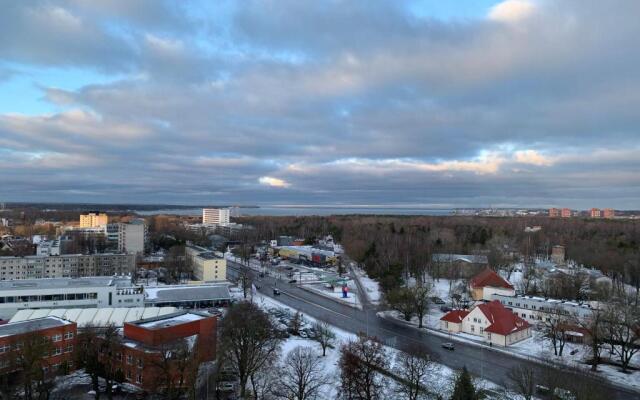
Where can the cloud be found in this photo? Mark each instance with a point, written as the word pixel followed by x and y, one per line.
pixel 273 182
pixel 511 10
pixel 337 101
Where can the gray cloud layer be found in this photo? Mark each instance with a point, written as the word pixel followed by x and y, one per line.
pixel 292 102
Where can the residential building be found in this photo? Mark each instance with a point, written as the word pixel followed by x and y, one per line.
pixel 19 337
pixel 132 237
pixel 554 212
pixel 609 213
pixel 95 317
pixel 66 266
pixel 566 213
pixel 93 219
pixel 207 265
pixel 595 213
pixel 487 283
pixel 533 309
pixel 491 321
pixel 48 248
pixel 148 344
pixel 87 292
pixel 215 216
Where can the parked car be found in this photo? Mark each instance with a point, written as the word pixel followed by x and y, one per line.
pixel 437 300
pixel 448 346
pixel 276 292
pixel 293 281
pixel 445 309
pixel 227 387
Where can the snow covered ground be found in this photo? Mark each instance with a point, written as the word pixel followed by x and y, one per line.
pixel 440 380
pixel 371 287
pixel 321 289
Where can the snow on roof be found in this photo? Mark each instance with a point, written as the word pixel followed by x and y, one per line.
pixel 95 316
pixel 503 321
pixel 170 320
pixel 32 325
pixel 468 258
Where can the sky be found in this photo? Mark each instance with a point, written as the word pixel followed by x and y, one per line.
pixel 421 103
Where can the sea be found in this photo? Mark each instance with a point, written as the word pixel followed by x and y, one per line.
pixel 311 210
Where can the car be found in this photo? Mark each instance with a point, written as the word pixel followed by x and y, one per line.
pixel 293 281
pixel 437 300
pixel 227 387
pixel 276 292
pixel 448 346
pixel 445 309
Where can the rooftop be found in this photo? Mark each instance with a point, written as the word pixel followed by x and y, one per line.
pixel 60 283
pixel 178 293
pixel 468 258
pixel 488 277
pixel 98 317
pixel 178 318
pixel 34 325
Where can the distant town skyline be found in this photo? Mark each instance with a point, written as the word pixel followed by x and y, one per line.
pixel 418 103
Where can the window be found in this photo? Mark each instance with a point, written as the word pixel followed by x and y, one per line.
pixel 139 378
pixel 69 349
pixel 56 351
pixel 56 338
pixel 473 328
pixel 140 364
pixel 5 348
pixel 68 335
pixel 130 359
pixel 481 330
pixel 129 375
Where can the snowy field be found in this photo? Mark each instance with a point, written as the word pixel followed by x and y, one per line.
pixel 371 287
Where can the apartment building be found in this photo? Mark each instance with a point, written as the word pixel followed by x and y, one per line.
pixel 554 212
pixel 87 292
pixel 609 213
pixel 215 216
pixel 207 265
pixel 66 266
pixel 566 213
pixel 595 213
pixel 93 219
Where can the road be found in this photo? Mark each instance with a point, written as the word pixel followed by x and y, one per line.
pixel 482 362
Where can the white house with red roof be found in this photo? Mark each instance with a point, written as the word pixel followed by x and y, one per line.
pixel 492 321
pixel 488 283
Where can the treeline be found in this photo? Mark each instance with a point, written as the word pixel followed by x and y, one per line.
pixel 391 245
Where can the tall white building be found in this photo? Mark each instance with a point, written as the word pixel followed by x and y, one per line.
pixel 215 216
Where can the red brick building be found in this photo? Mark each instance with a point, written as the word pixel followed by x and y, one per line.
pixel 566 213
pixel 595 213
pixel 609 213
pixel 57 350
pixel 554 212
pixel 151 347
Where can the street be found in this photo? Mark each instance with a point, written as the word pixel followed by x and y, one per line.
pixel 481 362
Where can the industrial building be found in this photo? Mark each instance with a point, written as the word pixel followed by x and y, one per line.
pixel 188 296
pixel 67 293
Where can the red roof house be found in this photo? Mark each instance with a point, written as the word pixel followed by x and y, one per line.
pixel 488 282
pixel 492 321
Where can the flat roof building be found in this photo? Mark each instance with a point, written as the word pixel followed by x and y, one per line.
pixel 215 216
pixel 193 296
pixel 207 265
pixel 93 219
pixel 97 317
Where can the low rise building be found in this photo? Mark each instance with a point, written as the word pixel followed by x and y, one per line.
pixel 188 296
pixel 207 265
pixel 67 292
pixel 58 335
pixel 488 283
pixel 459 265
pixel 145 356
pixel 95 317
pixel 534 309
pixel 491 321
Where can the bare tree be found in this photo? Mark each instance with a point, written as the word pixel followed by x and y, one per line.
pixel 554 327
pixel 360 362
pixel 401 300
pixel 248 341
pixel 420 296
pixel 29 357
pixel 302 376
pixel 622 325
pixel 595 327
pixel 176 367
pixel 323 334
pixel 523 380
pixel 413 366
pixel 88 355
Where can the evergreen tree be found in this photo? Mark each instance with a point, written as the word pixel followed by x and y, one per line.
pixel 464 388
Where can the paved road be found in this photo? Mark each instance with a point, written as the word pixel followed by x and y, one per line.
pixel 481 362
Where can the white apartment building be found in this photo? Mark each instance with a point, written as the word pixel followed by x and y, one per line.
pixel 86 292
pixel 66 266
pixel 48 248
pixel 207 265
pixel 215 216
